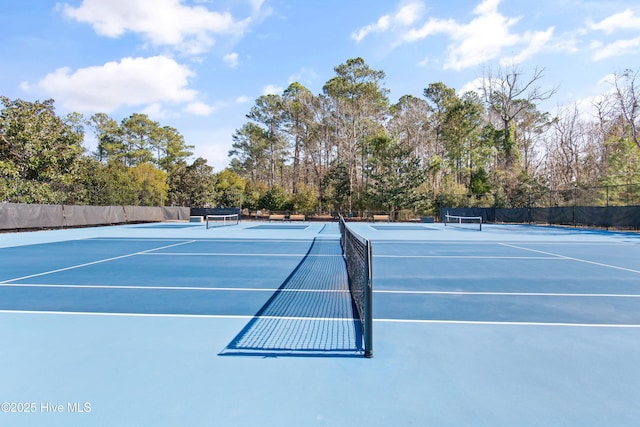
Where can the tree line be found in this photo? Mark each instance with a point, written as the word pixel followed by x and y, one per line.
pixel 137 161
pixel 348 148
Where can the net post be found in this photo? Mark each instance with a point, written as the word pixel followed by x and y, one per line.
pixel 368 301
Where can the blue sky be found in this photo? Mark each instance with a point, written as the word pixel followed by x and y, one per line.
pixel 198 65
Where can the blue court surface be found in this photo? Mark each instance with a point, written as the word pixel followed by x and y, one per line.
pixel 173 324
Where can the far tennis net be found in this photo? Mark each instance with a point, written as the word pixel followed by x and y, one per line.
pixel 468 222
pixel 357 254
pixel 222 220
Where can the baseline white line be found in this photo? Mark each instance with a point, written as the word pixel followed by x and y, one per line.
pixel 200 240
pixel 132 239
pixel 467 257
pixel 573 259
pixel 271 290
pixel 93 263
pixel 525 294
pixel 575 242
pixel 105 314
pixel 209 316
pixel 480 322
pixel 237 254
pixel 340 319
pixel 492 243
pixel 168 288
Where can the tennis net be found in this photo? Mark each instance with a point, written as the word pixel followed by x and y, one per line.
pixel 357 255
pixel 469 222
pixel 222 220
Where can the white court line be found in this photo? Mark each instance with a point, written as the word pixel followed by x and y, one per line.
pixel 480 322
pixel 324 319
pixel 194 316
pixel 492 243
pixel 132 239
pixel 572 258
pixel 238 254
pixel 576 242
pixel 468 257
pixel 519 294
pixel 271 290
pixel 201 240
pixel 93 262
pixel 167 288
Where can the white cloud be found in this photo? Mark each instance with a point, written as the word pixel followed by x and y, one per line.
pixel 536 41
pixel 625 20
pixel 431 27
pixel 620 21
pixel 199 109
pixel 129 82
pixel 474 85
pixel 161 22
pixel 586 106
pixel 617 48
pixel 155 111
pixel 217 154
pixel 480 40
pixel 215 145
pixel 305 76
pixel 484 38
pixel 272 90
pixel 231 59
pixel 608 80
pixel 256 5
pixel 242 99
pixel 409 14
pixel 196 45
pixel 382 25
pixel 424 62
pixel 404 16
pixel 487 36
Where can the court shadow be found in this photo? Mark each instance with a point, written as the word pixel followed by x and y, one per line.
pixel 311 314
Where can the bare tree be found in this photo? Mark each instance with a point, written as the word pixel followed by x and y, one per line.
pixel 575 151
pixel 532 125
pixel 628 101
pixel 409 123
pixel 508 93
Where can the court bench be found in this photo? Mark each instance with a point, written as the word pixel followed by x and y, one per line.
pixel 280 217
pixel 381 218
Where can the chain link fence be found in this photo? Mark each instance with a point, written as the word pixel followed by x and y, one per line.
pixel 614 195
pixel 607 206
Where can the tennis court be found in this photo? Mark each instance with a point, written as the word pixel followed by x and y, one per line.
pixel 253 324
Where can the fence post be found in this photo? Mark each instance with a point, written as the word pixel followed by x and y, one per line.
pixel 575 202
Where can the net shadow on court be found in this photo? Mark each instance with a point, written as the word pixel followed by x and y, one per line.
pixel 311 314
